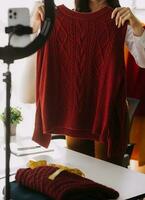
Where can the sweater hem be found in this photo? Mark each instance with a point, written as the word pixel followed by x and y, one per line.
pixel 82 134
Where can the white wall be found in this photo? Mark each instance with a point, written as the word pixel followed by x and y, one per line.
pixel 138 7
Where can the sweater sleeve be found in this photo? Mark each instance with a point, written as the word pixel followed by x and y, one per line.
pixel 136 46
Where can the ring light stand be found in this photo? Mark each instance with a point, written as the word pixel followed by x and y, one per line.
pixel 9 54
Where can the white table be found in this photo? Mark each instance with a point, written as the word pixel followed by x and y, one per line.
pixel 128 183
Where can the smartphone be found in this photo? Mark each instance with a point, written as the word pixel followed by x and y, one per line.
pixel 18 16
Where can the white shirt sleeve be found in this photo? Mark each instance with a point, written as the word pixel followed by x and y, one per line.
pixel 136 46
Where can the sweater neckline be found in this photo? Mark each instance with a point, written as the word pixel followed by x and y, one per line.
pixel 83 15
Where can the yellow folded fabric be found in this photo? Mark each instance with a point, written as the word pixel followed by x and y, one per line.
pixel 33 164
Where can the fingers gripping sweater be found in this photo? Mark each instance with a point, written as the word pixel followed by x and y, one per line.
pixel 81 80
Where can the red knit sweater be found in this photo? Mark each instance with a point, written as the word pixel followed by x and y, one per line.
pixel 66 186
pixel 81 80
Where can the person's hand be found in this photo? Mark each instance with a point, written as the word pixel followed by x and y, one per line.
pixel 37 16
pixel 123 15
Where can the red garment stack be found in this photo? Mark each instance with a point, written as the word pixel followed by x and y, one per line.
pixel 66 186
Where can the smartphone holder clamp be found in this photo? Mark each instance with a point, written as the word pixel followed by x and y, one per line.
pixel 9 54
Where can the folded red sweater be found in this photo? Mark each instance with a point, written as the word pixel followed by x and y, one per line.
pixel 66 186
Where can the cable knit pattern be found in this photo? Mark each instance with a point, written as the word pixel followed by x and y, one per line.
pixel 66 186
pixel 81 80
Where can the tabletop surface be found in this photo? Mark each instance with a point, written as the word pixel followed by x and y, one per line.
pixel 128 183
